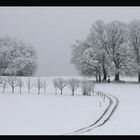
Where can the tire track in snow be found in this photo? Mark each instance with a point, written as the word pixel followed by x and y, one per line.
pixel 109 111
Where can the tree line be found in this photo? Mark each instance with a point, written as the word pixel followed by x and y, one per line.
pixel 110 49
pixel 58 83
pixel 15 81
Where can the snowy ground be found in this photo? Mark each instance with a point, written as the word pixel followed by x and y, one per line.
pixel 50 114
pixel 126 118
pixel 46 113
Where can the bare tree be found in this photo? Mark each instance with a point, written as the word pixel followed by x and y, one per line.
pixel 87 87
pixel 39 85
pixel 1 80
pixel 44 86
pixel 55 86
pixel 60 83
pixel 3 83
pixel 73 85
pixel 13 82
pixel 20 84
pixel 29 85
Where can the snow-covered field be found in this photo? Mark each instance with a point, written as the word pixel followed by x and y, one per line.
pixel 126 118
pixel 43 114
pixel 50 114
pixel 30 113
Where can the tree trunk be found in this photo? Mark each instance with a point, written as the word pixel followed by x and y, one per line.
pixel 72 92
pixel 96 76
pixel 38 91
pixel 84 92
pixel 12 89
pixel 55 91
pixel 3 90
pixel 29 90
pixel 104 75
pixel 139 77
pixel 108 79
pixel 104 70
pixel 61 91
pixel 117 76
pixel 100 77
pixel 20 90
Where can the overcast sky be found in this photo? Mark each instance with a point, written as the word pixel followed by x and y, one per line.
pixel 52 30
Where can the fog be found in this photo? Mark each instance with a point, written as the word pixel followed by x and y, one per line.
pixel 52 30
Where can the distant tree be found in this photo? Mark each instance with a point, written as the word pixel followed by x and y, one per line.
pixel 29 84
pixel 13 82
pixel 39 85
pixel 87 87
pixel 44 86
pixel 16 58
pixel 20 84
pixel 55 86
pixel 3 83
pixel 60 83
pixel 1 79
pixel 73 85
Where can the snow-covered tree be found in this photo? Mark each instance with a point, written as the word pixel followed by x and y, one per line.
pixel 29 84
pixel 112 38
pixel 44 86
pixel 16 58
pixel 73 85
pixel 60 83
pixel 39 85
pixel 87 87
pixel 3 83
pixel 13 82
pixel 78 59
pixel 97 39
pixel 55 86
pixel 93 59
pixel 20 83
pixel 1 80
pixel 134 38
pixel 89 55
pixel 117 47
pixel 105 51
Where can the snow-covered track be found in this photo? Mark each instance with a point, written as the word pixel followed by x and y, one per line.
pixel 106 115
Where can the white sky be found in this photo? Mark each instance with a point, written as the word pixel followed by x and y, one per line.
pixel 52 30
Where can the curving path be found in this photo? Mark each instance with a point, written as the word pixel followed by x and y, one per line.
pixel 113 104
